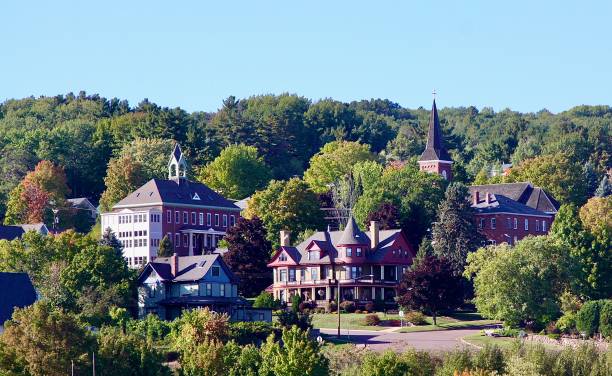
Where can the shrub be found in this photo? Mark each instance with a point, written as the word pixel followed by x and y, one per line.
pixel 372 319
pixel 266 300
pixel 605 318
pixel 567 323
pixel 587 318
pixel 348 306
pixel 331 306
pixel 304 306
pixel 388 363
pixel 415 317
pixel 295 302
pixel 490 358
pixel 458 360
pixel 244 332
pixel 358 311
pixel 552 328
pixel 369 306
pixel 288 319
pixel 420 363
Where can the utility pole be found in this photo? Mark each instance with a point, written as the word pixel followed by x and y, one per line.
pixel 93 364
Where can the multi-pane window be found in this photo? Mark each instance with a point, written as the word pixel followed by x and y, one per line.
pixel 493 223
pixel 313 274
pixel 291 275
pixel 185 240
pixel 537 225
pixel 216 219
pixel 526 224
pixel 208 219
pixel 283 275
pixel 355 272
pixel 349 252
pixel 543 225
pixel 185 218
pixel 201 215
pixel 177 240
pixel 177 217
pixel 169 216
pixel 193 218
pixel 481 223
pixel 222 289
pixel 515 226
pixel 224 220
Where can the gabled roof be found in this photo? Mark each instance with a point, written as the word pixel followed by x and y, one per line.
pixel 434 150
pixel 16 292
pixel 352 234
pixel 524 193
pixel 180 192
pixel 81 202
pixel 11 232
pixel 503 204
pixel 190 268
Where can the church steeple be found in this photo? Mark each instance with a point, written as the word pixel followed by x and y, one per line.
pixel 177 166
pixel 435 158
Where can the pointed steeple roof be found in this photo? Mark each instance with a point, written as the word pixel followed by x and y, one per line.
pixel 352 234
pixel 435 144
pixel 177 152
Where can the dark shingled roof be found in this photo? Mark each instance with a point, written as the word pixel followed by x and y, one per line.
pixel 352 234
pixel 190 268
pixel 524 193
pixel 503 204
pixel 180 192
pixel 16 292
pixel 435 144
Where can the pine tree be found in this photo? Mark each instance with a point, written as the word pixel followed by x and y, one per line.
pixel 109 239
pixel 605 187
pixel 166 249
pixel 455 234
pixel 590 177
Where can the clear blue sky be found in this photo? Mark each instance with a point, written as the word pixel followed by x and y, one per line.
pixel 525 55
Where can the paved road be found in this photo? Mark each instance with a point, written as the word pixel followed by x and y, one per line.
pixel 442 340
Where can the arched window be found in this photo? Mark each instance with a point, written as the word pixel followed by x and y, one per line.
pixel 444 175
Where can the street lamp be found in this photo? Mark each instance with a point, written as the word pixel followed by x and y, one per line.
pixel 338 296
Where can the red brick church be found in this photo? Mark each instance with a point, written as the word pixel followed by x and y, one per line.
pixel 505 213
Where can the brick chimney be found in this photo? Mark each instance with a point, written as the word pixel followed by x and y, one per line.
pixel 285 238
pixel 488 198
pixel 174 264
pixel 374 234
pixel 476 197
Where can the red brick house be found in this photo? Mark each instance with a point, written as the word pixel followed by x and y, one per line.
pixel 504 212
pixel 368 265
pixel 192 215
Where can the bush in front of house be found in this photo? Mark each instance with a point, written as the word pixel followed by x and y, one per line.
pixel 415 317
pixel 290 318
pixel 331 306
pixel 295 302
pixel 370 307
pixel 372 319
pixel 587 318
pixel 348 306
pixel 245 332
pixel 266 300
pixel 605 318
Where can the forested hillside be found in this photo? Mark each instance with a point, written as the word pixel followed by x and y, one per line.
pixel 81 133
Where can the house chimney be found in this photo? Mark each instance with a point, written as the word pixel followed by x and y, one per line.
pixel 476 197
pixel 285 238
pixel 174 264
pixel 488 198
pixel 374 234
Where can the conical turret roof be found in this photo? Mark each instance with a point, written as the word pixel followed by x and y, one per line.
pixel 352 234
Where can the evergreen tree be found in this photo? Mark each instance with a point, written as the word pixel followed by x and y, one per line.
pixel 455 233
pixel 590 178
pixel 109 239
pixel 605 187
pixel 166 248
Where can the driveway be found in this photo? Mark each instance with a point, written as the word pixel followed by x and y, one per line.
pixel 442 340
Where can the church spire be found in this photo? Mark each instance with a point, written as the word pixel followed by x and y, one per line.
pixel 435 145
pixel 177 166
pixel 435 157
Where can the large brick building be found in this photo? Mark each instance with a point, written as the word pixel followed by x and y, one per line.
pixel 367 265
pixel 192 215
pixel 504 212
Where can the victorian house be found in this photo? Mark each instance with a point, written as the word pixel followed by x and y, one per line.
pixel 360 266
pixel 191 215
pixel 504 213
pixel 169 285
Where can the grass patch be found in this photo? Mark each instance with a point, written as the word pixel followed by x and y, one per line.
pixel 355 321
pixel 504 342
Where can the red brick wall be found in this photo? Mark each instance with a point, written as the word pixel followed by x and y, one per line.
pixel 501 229
pixel 437 167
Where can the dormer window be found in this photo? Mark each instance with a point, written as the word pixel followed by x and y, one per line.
pixel 282 257
pixel 314 255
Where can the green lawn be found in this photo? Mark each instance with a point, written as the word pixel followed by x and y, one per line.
pixel 503 342
pixel 354 321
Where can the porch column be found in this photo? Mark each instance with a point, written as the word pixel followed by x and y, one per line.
pixel 356 297
pixel 313 296
pixel 327 293
pixel 190 244
pixel 382 272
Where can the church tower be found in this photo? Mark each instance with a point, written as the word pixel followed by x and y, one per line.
pixel 177 166
pixel 435 158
